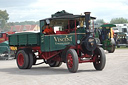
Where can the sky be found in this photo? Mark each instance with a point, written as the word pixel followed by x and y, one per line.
pixel 35 10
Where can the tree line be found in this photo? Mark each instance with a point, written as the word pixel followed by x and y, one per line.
pixel 25 23
pixel 5 26
pixel 120 20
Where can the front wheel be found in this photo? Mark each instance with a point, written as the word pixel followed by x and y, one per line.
pixel 72 60
pixel 100 58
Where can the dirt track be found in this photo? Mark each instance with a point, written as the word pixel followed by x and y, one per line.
pixel 114 73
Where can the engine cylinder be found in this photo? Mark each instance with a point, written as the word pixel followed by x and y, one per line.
pixel 88 45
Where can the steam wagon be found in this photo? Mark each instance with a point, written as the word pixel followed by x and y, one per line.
pixel 72 43
pixel 106 37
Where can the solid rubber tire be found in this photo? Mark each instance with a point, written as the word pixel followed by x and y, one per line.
pixel 31 59
pixel 75 60
pixel 100 51
pixel 26 59
pixel 112 49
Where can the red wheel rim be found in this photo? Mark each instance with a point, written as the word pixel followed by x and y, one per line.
pixel 20 59
pixel 69 61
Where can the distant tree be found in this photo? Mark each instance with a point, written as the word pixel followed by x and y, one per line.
pixel 17 23
pixel 4 15
pixel 37 22
pixel 27 23
pixel 118 21
pixel 3 18
pixel 99 21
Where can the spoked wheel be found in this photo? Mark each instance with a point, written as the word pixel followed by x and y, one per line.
pixel 22 59
pixel 72 60
pixel 55 63
pixel 100 59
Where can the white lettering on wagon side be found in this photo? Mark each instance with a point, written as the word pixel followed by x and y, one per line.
pixel 64 40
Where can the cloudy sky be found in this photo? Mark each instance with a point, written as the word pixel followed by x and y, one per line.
pixel 22 10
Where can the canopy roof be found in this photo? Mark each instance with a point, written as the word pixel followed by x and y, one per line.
pixel 71 17
pixel 65 15
pixel 108 25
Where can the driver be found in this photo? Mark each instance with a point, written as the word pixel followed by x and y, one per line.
pixel 48 30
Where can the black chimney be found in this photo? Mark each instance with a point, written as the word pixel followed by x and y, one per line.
pixel 87 19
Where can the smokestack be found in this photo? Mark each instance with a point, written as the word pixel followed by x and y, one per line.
pixel 87 19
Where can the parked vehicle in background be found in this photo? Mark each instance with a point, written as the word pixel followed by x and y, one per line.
pixel 121 28
pixel 121 34
pixel 122 39
pixel 127 37
pixel 115 29
pixel 5 51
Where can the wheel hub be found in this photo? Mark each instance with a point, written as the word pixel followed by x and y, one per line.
pixel 70 61
pixel 20 59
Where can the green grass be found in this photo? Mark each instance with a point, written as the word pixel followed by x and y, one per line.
pixel 122 47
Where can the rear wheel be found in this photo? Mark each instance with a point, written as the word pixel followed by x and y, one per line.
pixel 22 59
pixel 55 63
pixel 31 58
pixel 112 49
pixel 72 60
pixel 100 59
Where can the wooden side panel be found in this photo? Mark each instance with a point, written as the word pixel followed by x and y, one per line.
pixel 24 39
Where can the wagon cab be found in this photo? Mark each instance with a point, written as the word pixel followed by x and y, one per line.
pixel 72 42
